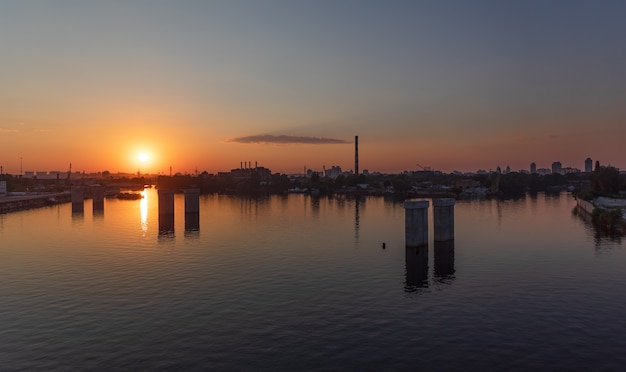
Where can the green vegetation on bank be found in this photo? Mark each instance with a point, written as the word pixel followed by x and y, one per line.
pixel 605 181
pixel 606 220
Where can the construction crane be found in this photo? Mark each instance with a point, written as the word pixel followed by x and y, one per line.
pixel 426 168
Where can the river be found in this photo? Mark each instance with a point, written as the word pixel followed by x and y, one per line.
pixel 302 283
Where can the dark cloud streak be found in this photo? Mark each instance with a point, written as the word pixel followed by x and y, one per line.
pixel 284 139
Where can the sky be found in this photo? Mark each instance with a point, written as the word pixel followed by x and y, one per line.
pixel 206 85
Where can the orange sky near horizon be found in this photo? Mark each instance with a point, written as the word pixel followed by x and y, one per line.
pixel 118 150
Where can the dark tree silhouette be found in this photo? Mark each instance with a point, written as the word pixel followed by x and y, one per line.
pixel 605 180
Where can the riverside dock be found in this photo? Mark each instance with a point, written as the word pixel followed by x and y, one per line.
pixel 602 203
pixel 14 203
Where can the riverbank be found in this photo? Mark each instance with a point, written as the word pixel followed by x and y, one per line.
pixel 602 203
pixel 24 202
pixel 606 214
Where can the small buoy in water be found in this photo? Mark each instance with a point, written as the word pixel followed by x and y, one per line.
pixel 384 245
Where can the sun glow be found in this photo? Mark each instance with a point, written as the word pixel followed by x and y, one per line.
pixel 143 157
pixel 143 210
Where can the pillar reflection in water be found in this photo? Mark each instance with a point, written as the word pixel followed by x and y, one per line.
pixel 416 259
pixel 357 217
pixel 444 260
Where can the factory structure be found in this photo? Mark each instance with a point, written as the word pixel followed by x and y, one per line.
pixel 246 171
pixel 356 155
pixel 336 171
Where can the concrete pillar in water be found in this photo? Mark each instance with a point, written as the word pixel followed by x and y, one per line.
pixel 166 210
pixel 443 214
pixel 97 196
pixel 78 199
pixel 416 223
pixel 192 209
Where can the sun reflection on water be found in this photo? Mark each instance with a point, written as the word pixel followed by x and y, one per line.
pixel 143 208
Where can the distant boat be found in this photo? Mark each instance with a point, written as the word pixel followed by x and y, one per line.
pixel 129 196
pixel 297 190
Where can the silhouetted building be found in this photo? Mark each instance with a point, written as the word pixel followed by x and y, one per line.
pixel 557 168
pixel 311 172
pixel 466 183
pixel 588 165
pixel 533 168
pixel 333 172
pixel 265 175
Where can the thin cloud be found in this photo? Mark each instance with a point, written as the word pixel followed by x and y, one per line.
pixel 284 139
pixel 8 130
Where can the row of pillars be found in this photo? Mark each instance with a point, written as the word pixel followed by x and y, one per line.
pixel 416 240
pixel 416 221
pixel 166 210
pixel 78 199
pixel 166 206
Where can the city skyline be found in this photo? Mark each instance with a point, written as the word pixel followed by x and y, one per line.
pixel 531 168
pixel 451 86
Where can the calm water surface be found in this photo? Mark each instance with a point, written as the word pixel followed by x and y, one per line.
pixel 301 283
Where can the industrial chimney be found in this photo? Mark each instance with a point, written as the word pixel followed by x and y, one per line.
pixel 356 155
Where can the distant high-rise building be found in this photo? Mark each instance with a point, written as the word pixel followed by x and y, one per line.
pixel 557 168
pixel 333 172
pixel 533 168
pixel 588 165
pixel 3 188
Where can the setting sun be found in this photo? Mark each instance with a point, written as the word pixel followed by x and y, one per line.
pixel 143 157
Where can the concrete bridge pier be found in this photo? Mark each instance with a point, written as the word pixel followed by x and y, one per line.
pixel 78 199
pixel 166 211
pixel 416 223
pixel 192 209
pixel 443 214
pixel 97 196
